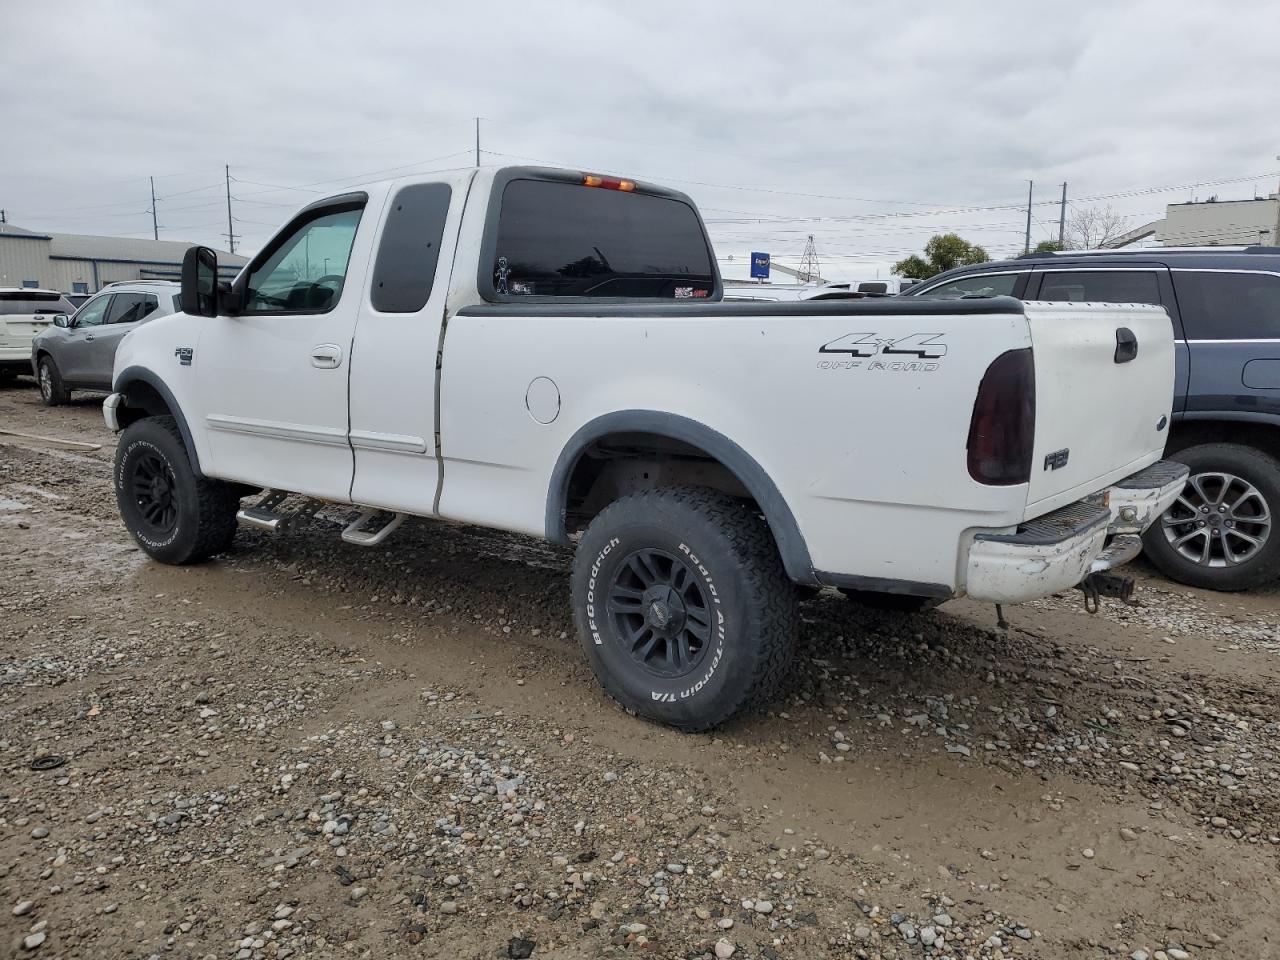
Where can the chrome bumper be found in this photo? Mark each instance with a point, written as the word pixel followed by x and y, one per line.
pixel 1055 552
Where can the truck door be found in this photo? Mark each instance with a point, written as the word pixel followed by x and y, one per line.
pixel 273 378
pixel 393 381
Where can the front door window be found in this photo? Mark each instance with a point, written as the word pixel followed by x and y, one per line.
pixel 306 271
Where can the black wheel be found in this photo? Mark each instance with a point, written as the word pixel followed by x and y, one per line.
pixel 175 516
pixel 1220 533
pixel 52 391
pixel 896 602
pixel 683 607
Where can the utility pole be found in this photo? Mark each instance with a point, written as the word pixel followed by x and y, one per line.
pixel 477 141
pixel 231 233
pixel 155 229
pixel 1026 245
pixel 1062 220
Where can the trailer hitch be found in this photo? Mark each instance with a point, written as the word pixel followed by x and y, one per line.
pixel 1098 585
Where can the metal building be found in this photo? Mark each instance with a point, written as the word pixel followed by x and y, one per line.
pixel 74 263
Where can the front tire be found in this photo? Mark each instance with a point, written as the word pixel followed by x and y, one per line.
pixel 175 516
pixel 1221 533
pixel 683 607
pixel 53 392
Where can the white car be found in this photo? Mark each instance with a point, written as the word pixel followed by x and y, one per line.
pixel 544 351
pixel 24 313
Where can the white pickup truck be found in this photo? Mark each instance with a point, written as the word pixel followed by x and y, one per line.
pixel 545 351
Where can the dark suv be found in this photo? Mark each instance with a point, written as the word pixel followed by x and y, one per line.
pixel 1225 305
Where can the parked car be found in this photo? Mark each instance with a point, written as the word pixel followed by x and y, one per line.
pixel 77 352
pixel 24 313
pixel 542 351
pixel 1224 302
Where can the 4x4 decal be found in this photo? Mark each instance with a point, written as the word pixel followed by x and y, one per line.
pixel 863 346
pixel 925 346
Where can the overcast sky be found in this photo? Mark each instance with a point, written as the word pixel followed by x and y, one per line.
pixel 870 125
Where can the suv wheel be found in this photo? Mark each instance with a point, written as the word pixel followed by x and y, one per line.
pixel 52 391
pixel 683 607
pixel 1221 533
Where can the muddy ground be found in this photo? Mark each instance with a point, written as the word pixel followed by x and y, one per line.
pixel 311 749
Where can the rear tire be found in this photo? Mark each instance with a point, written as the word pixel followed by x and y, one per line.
pixel 683 607
pixel 893 602
pixel 174 515
pixel 1215 548
pixel 53 392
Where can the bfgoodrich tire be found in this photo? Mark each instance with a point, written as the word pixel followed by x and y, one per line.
pixel 683 607
pixel 1222 533
pixel 175 516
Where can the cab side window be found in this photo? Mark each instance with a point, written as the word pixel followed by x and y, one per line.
pixel 93 313
pixel 131 307
pixel 979 285
pixel 304 271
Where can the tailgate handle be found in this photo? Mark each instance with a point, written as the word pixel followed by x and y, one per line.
pixel 1126 345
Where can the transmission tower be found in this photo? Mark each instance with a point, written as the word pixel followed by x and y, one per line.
pixel 809 270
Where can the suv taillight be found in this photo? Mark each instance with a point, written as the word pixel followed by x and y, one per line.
pixel 1002 431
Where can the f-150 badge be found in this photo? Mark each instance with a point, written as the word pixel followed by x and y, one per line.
pixel 917 353
pixel 184 355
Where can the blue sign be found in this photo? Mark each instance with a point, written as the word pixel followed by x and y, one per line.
pixel 759 266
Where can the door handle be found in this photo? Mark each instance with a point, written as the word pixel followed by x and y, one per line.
pixel 1126 345
pixel 326 356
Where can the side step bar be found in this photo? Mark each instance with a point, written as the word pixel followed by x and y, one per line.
pixel 369 529
pixel 372 527
pixel 263 515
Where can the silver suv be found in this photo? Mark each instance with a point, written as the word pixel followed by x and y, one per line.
pixel 78 352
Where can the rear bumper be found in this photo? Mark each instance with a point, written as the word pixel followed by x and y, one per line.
pixel 1056 551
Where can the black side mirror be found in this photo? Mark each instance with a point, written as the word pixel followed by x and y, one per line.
pixel 200 282
pixel 62 320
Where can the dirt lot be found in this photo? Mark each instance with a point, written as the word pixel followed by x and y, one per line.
pixel 310 749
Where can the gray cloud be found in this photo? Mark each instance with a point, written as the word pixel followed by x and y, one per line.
pixel 879 107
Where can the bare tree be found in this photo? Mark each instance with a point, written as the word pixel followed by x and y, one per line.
pixel 1089 228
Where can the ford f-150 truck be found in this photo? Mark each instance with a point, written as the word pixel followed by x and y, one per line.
pixel 546 351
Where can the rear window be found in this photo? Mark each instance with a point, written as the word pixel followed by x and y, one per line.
pixel 24 301
pixel 566 240
pixel 1101 286
pixel 1228 306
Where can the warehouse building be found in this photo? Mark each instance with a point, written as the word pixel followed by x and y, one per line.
pixel 1210 223
pixel 73 263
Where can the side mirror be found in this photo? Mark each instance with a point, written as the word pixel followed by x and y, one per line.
pixel 62 320
pixel 200 282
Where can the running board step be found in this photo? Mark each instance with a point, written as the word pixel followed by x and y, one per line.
pixel 263 515
pixel 372 527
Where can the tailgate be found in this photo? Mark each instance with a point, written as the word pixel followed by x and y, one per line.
pixel 1097 420
pixel 18 331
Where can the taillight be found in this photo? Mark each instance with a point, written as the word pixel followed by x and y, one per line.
pixel 1002 431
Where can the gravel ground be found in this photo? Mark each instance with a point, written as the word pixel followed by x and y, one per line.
pixel 310 749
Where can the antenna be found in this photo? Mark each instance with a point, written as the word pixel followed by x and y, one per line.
pixel 809 269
